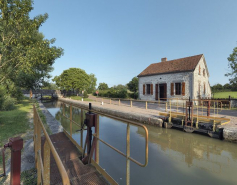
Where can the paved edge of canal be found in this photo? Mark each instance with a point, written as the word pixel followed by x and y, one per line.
pixel 149 117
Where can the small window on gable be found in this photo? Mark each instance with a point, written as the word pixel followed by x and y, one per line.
pixel 204 72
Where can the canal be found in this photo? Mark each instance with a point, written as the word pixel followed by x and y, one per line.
pixel 175 157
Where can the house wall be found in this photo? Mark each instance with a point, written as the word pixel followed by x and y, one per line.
pixel 186 77
pixel 200 78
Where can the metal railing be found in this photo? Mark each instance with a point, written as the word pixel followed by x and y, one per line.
pixel 43 167
pixel 96 136
pixel 165 102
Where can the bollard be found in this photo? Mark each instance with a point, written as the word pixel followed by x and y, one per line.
pixel 16 145
pixel 130 103
pixel 208 107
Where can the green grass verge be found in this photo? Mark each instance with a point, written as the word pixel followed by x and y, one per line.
pixel 43 118
pixel 232 94
pixel 14 123
pixel 80 98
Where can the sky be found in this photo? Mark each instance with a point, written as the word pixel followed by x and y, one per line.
pixel 117 39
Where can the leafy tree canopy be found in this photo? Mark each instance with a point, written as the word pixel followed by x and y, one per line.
pixel 133 84
pixel 73 78
pixel 103 86
pixel 232 64
pixel 26 57
pixel 92 84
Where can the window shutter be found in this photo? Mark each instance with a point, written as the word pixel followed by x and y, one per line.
pixel 172 89
pixel 144 89
pixel 151 89
pixel 183 88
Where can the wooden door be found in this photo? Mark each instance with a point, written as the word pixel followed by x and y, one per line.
pixel 157 91
pixel 165 91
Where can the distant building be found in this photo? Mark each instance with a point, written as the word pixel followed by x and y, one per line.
pixel 180 78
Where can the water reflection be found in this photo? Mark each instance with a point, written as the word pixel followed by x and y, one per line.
pixel 175 157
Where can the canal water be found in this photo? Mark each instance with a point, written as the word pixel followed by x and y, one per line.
pixel 175 157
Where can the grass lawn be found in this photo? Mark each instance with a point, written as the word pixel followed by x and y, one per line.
pixel 79 98
pixel 233 94
pixel 14 123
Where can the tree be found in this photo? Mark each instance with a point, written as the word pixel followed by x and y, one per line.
pixel 217 87
pixel 133 84
pixel 92 84
pixel 73 78
pixel 26 57
pixel 120 87
pixel 103 86
pixel 232 65
pixel 227 86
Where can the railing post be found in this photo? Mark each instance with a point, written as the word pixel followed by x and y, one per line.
pixel 71 120
pixel 170 112
pixel 97 131
pixel 35 134
pixel 82 128
pixel 64 109
pixel 38 141
pixel 16 145
pixel 208 107
pixel 197 118
pixel 146 104
pixel 46 163
pixel 128 155
pixel 130 103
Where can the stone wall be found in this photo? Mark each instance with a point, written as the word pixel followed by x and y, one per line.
pixel 233 103
pixel 168 79
pixel 201 79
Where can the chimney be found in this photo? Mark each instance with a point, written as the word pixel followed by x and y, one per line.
pixel 164 59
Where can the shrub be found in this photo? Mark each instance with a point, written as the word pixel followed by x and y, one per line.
pixel 133 95
pixel 9 103
pixel 85 95
pixel 2 95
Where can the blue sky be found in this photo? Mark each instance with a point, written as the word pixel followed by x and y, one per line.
pixel 118 39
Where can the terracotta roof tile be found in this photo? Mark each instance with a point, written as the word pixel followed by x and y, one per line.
pixel 172 66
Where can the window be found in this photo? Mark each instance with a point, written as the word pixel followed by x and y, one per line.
pixel 177 88
pixel 148 88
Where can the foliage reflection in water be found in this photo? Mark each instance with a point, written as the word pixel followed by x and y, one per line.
pixel 175 157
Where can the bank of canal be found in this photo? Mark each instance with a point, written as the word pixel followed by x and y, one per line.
pixel 174 157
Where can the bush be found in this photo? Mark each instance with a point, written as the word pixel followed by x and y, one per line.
pixel 2 95
pixel 9 103
pixel 113 93
pixel 85 95
pixel 133 95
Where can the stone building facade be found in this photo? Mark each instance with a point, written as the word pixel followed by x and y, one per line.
pixel 180 78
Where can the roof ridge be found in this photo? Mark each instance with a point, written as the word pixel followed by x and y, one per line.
pixel 184 57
